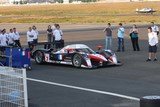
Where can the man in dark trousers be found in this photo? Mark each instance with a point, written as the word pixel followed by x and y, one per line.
pixel 16 38
pixel 58 36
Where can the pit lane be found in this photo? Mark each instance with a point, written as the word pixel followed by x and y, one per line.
pixel 136 78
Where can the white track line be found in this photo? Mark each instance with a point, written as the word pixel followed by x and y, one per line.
pixel 86 89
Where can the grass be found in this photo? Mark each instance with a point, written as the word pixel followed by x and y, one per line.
pixel 79 13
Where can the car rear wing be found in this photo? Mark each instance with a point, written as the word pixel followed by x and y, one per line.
pixel 49 45
pixel 44 43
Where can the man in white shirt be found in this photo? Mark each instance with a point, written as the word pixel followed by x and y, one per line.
pixel 16 38
pixel 3 40
pixel 58 36
pixel 35 32
pixel 153 42
pixel 155 28
pixel 10 37
pixel 30 38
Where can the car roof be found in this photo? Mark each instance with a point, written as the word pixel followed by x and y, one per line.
pixel 76 46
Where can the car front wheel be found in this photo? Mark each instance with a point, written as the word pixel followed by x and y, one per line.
pixel 39 57
pixel 77 60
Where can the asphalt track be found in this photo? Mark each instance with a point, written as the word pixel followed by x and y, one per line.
pixel 136 78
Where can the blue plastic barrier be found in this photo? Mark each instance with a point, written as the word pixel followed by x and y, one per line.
pixel 17 57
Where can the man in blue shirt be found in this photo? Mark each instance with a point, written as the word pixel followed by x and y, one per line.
pixel 120 35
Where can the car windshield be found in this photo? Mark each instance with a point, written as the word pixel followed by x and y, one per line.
pixel 85 50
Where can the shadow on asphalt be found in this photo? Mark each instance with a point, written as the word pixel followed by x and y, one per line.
pixel 76 68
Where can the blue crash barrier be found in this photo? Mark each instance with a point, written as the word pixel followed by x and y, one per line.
pixel 16 57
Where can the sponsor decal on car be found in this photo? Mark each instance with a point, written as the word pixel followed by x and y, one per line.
pixel 47 57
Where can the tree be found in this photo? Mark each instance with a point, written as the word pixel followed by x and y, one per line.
pixel 20 2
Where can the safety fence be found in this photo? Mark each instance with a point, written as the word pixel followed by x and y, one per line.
pixel 13 87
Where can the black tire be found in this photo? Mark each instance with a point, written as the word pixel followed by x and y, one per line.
pixel 150 101
pixel 77 60
pixel 39 57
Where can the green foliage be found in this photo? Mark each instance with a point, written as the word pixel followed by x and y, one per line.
pixel 88 0
pixel 20 2
pixel 59 1
pixel 15 2
pixel 70 1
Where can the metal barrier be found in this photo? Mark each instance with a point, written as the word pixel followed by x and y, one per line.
pixel 13 87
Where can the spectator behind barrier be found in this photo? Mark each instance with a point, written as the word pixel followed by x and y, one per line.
pixel 16 38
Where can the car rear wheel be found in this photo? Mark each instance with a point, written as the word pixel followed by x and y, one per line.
pixel 39 57
pixel 77 60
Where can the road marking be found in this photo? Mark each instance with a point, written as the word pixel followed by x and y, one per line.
pixel 85 89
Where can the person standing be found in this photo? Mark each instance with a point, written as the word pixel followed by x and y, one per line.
pixel 153 42
pixel 58 36
pixel 30 38
pixel 54 28
pixel 16 38
pixel 134 38
pixel 49 36
pixel 155 28
pixel 120 35
pixel 35 32
pixel 0 42
pixel 3 40
pixel 108 32
pixel 10 37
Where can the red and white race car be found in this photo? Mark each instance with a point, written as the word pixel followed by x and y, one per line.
pixel 78 55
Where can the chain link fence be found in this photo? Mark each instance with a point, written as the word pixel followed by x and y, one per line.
pixel 13 87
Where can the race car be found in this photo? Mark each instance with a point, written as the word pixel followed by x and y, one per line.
pixel 146 10
pixel 78 55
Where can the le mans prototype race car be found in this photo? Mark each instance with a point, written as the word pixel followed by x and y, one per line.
pixel 78 55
